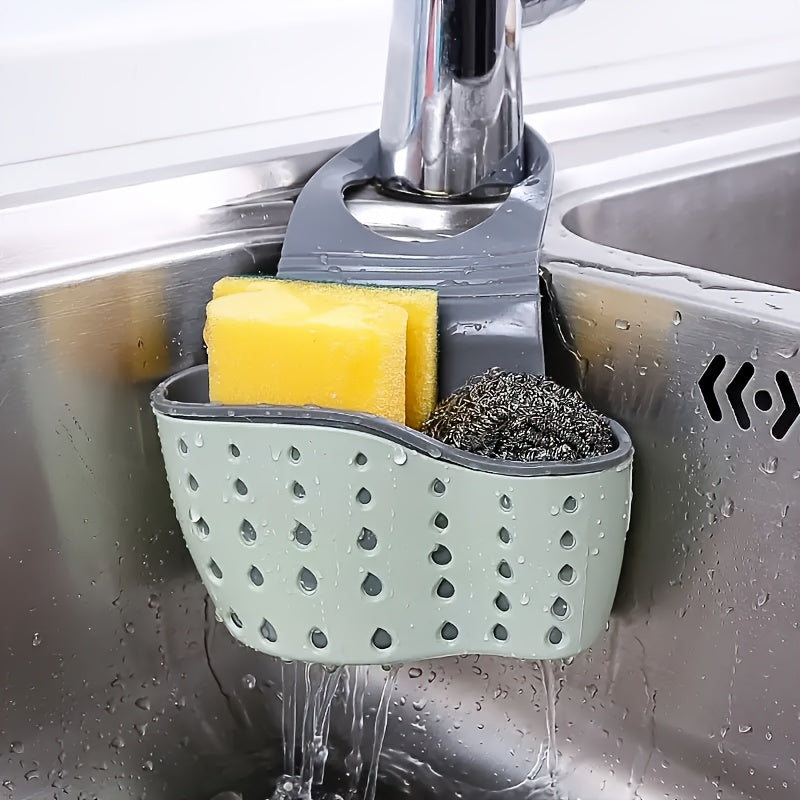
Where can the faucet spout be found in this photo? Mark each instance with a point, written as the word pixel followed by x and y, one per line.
pixel 452 112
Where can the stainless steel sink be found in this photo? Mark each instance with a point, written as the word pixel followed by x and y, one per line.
pixel 672 275
pixel 733 218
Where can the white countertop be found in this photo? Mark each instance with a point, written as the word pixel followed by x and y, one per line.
pixel 98 88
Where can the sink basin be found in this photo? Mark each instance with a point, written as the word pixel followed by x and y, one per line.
pixel 739 219
pixel 671 273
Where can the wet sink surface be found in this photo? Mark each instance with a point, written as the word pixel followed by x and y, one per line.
pixel 119 682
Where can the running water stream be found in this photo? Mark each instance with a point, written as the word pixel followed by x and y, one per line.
pixel 308 692
pixel 306 729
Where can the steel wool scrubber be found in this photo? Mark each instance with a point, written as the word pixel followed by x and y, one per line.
pixel 343 538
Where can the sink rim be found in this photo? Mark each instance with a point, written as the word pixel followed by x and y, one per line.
pixel 652 167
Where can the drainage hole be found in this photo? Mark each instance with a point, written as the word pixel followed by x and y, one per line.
pixel 570 505
pixel 381 639
pixel 201 528
pixel 505 502
pixel 318 638
pixel 367 540
pixel 234 451
pixel 371 585
pixel 294 455
pixel 192 483
pixel 555 636
pixel 500 632
pixel 504 570
pixel 256 578
pixel 298 490
pixel 560 608
pixel 567 540
pixel 445 589
pixel 240 486
pixel 247 532
pixel 268 631
pixel 214 569
pixel 307 580
pixel 301 535
pixel 360 460
pixel 566 574
pixel 501 602
pixel 763 400
pixel 364 497
pixel 438 487
pixel 235 620
pixel 448 631
pixel 504 535
pixel 441 555
pixel 441 521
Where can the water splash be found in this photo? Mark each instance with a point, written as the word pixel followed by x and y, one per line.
pixel 354 761
pixel 381 720
pixel 289 714
pixel 320 686
pixel 551 692
pixel 316 711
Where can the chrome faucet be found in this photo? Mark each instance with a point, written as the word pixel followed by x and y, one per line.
pixel 452 112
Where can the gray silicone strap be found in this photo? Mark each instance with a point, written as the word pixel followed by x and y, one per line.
pixel 487 277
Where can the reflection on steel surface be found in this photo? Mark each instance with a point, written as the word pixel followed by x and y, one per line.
pixel 117 682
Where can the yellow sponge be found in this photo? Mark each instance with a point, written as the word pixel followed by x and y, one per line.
pixel 421 343
pixel 288 348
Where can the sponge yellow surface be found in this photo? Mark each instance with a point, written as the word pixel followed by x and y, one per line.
pixel 285 347
pixel 421 342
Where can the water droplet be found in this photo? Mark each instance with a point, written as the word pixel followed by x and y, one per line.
pixel 524 599
pixel 249 681
pixel 143 703
pixel 677 318
pixel 728 507
pixel 198 440
pixel 37 640
pixel 761 600
pixel 147 766
pixel 118 743
pixel 17 747
pixel 789 352
pixel 769 467
pixel 622 325
pixel 414 672
pixel 745 728
pixel 400 456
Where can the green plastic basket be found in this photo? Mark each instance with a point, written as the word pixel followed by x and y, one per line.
pixel 343 538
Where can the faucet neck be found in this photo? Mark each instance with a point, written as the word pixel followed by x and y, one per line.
pixel 452 112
